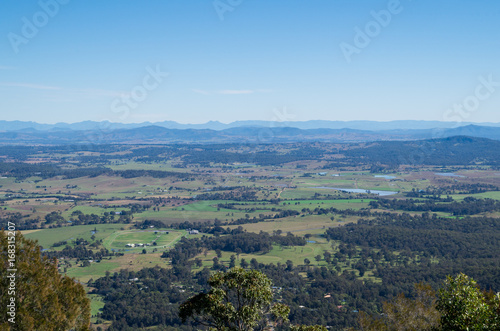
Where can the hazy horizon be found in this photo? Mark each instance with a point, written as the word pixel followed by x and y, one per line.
pixel 290 122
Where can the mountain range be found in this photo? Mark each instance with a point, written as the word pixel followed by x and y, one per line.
pixel 105 133
pixel 215 125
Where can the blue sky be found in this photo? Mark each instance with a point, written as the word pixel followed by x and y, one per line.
pixel 227 60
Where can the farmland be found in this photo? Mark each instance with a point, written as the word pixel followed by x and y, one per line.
pixel 121 209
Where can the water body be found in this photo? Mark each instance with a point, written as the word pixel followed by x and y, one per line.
pixel 385 176
pixel 447 174
pixel 311 241
pixel 358 190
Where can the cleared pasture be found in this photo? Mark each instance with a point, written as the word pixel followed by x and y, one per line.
pixel 118 240
pixel 47 237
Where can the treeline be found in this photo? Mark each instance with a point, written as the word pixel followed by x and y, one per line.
pixel 241 194
pixel 468 206
pixel 55 219
pixel 80 252
pixel 77 217
pixel 264 158
pixel 151 173
pixel 22 171
pixel 459 188
pixel 48 170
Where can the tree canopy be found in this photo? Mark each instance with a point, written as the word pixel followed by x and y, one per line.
pixel 459 305
pixel 465 307
pixel 238 300
pixel 44 299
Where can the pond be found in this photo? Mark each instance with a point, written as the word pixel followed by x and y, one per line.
pixel 358 190
pixel 385 176
pixel 447 174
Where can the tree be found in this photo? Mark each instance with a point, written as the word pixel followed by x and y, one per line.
pixel 44 299
pixel 54 217
pixel 406 314
pixel 464 307
pixel 232 263
pixel 238 300
pixel 254 263
pixel 216 264
pixel 460 305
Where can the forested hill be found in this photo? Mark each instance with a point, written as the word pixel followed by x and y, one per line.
pixel 444 151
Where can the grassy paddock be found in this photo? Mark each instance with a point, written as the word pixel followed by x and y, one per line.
pixel 118 240
pixel 47 237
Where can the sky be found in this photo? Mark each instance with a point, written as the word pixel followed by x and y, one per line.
pixel 228 60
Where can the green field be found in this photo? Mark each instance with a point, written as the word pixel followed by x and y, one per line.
pixel 278 254
pixel 96 304
pixel 95 270
pixel 118 240
pixel 296 254
pixel 47 237
pixel 490 195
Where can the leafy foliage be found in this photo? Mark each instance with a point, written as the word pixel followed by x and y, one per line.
pixel 460 305
pixel 465 307
pixel 404 313
pixel 45 300
pixel 238 300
